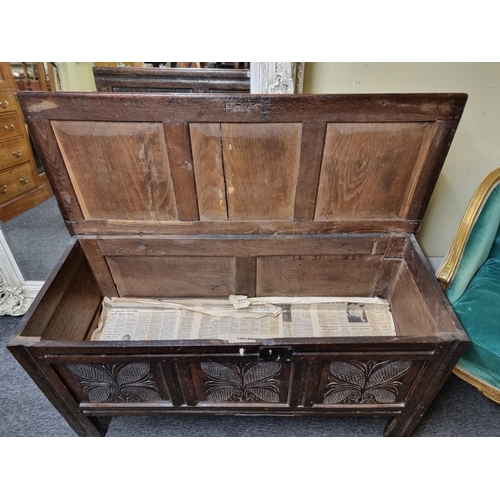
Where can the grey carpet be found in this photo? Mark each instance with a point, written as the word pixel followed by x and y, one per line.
pixel 459 409
pixel 37 239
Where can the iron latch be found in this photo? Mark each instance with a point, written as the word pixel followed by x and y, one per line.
pixel 275 353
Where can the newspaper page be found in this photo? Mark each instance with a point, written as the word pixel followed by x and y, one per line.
pixel 242 319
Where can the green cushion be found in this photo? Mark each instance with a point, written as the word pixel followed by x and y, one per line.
pixel 479 312
pixel 479 245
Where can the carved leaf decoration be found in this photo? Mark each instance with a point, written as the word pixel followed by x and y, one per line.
pixel 348 372
pixel 91 373
pixel 260 371
pixel 244 383
pixel 268 395
pixel 221 371
pixel 383 395
pixel 118 383
pixel 138 394
pixel 217 395
pixel 365 382
pixel 133 372
pixel 339 395
pixel 99 394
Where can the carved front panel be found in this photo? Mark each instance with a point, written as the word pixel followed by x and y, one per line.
pixel 242 383
pixel 364 382
pixel 116 383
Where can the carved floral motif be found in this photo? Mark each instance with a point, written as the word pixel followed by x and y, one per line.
pixel 365 382
pixel 12 300
pixel 242 383
pixel 116 383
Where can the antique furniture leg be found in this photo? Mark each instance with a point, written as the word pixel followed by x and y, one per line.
pixel 55 391
pixel 431 382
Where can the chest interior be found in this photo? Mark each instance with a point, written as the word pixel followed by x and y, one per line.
pixel 208 196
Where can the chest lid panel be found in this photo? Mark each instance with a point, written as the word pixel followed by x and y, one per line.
pixel 152 164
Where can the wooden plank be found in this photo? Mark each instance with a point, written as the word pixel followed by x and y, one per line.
pixel 118 170
pixel 67 303
pixel 73 316
pixel 208 169
pixel 238 247
pixel 329 275
pixel 260 165
pixel 245 276
pixel 311 154
pixel 251 108
pixel 181 165
pixel 409 309
pixel 366 169
pixel 173 276
pixel 103 227
pixel 35 320
pixel 441 140
pixel 60 182
pixel 431 292
pixel 386 276
pixel 416 176
pixel 99 267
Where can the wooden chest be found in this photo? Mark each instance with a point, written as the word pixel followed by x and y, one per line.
pixel 206 196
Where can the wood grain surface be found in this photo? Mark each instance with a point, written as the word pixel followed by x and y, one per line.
pixel 118 170
pixel 366 169
pixel 260 164
pixel 209 170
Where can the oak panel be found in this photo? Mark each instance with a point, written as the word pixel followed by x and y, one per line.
pixel 209 173
pixel 173 276
pixel 260 164
pixel 118 170
pixel 367 168
pixel 325 275
pixel 311 155
pixel 181 165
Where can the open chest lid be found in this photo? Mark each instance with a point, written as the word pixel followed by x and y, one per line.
pixel 235 164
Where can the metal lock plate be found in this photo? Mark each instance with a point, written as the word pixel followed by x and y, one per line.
pixel 275 353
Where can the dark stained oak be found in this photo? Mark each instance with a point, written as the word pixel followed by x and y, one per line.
pixel 243 108
pixel 171 80
pixel 206 196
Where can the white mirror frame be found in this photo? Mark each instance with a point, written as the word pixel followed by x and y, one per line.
pixel 16 294
pixel 277 77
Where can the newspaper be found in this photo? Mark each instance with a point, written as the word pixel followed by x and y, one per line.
pixel 242 319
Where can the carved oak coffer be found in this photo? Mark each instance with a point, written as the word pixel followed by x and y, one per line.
pixel 211 195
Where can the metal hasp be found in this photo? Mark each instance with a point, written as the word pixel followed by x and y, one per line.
pixel 275 353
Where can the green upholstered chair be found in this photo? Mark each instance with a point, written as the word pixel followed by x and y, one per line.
pixel 470 275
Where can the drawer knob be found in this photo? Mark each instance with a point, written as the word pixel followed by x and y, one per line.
pixel 9 127
pixel 24 180
pixel 17 153
pixel 4 104
pixel 3 189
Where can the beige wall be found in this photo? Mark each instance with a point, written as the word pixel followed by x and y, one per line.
pixel 76 76
pixel 476 148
